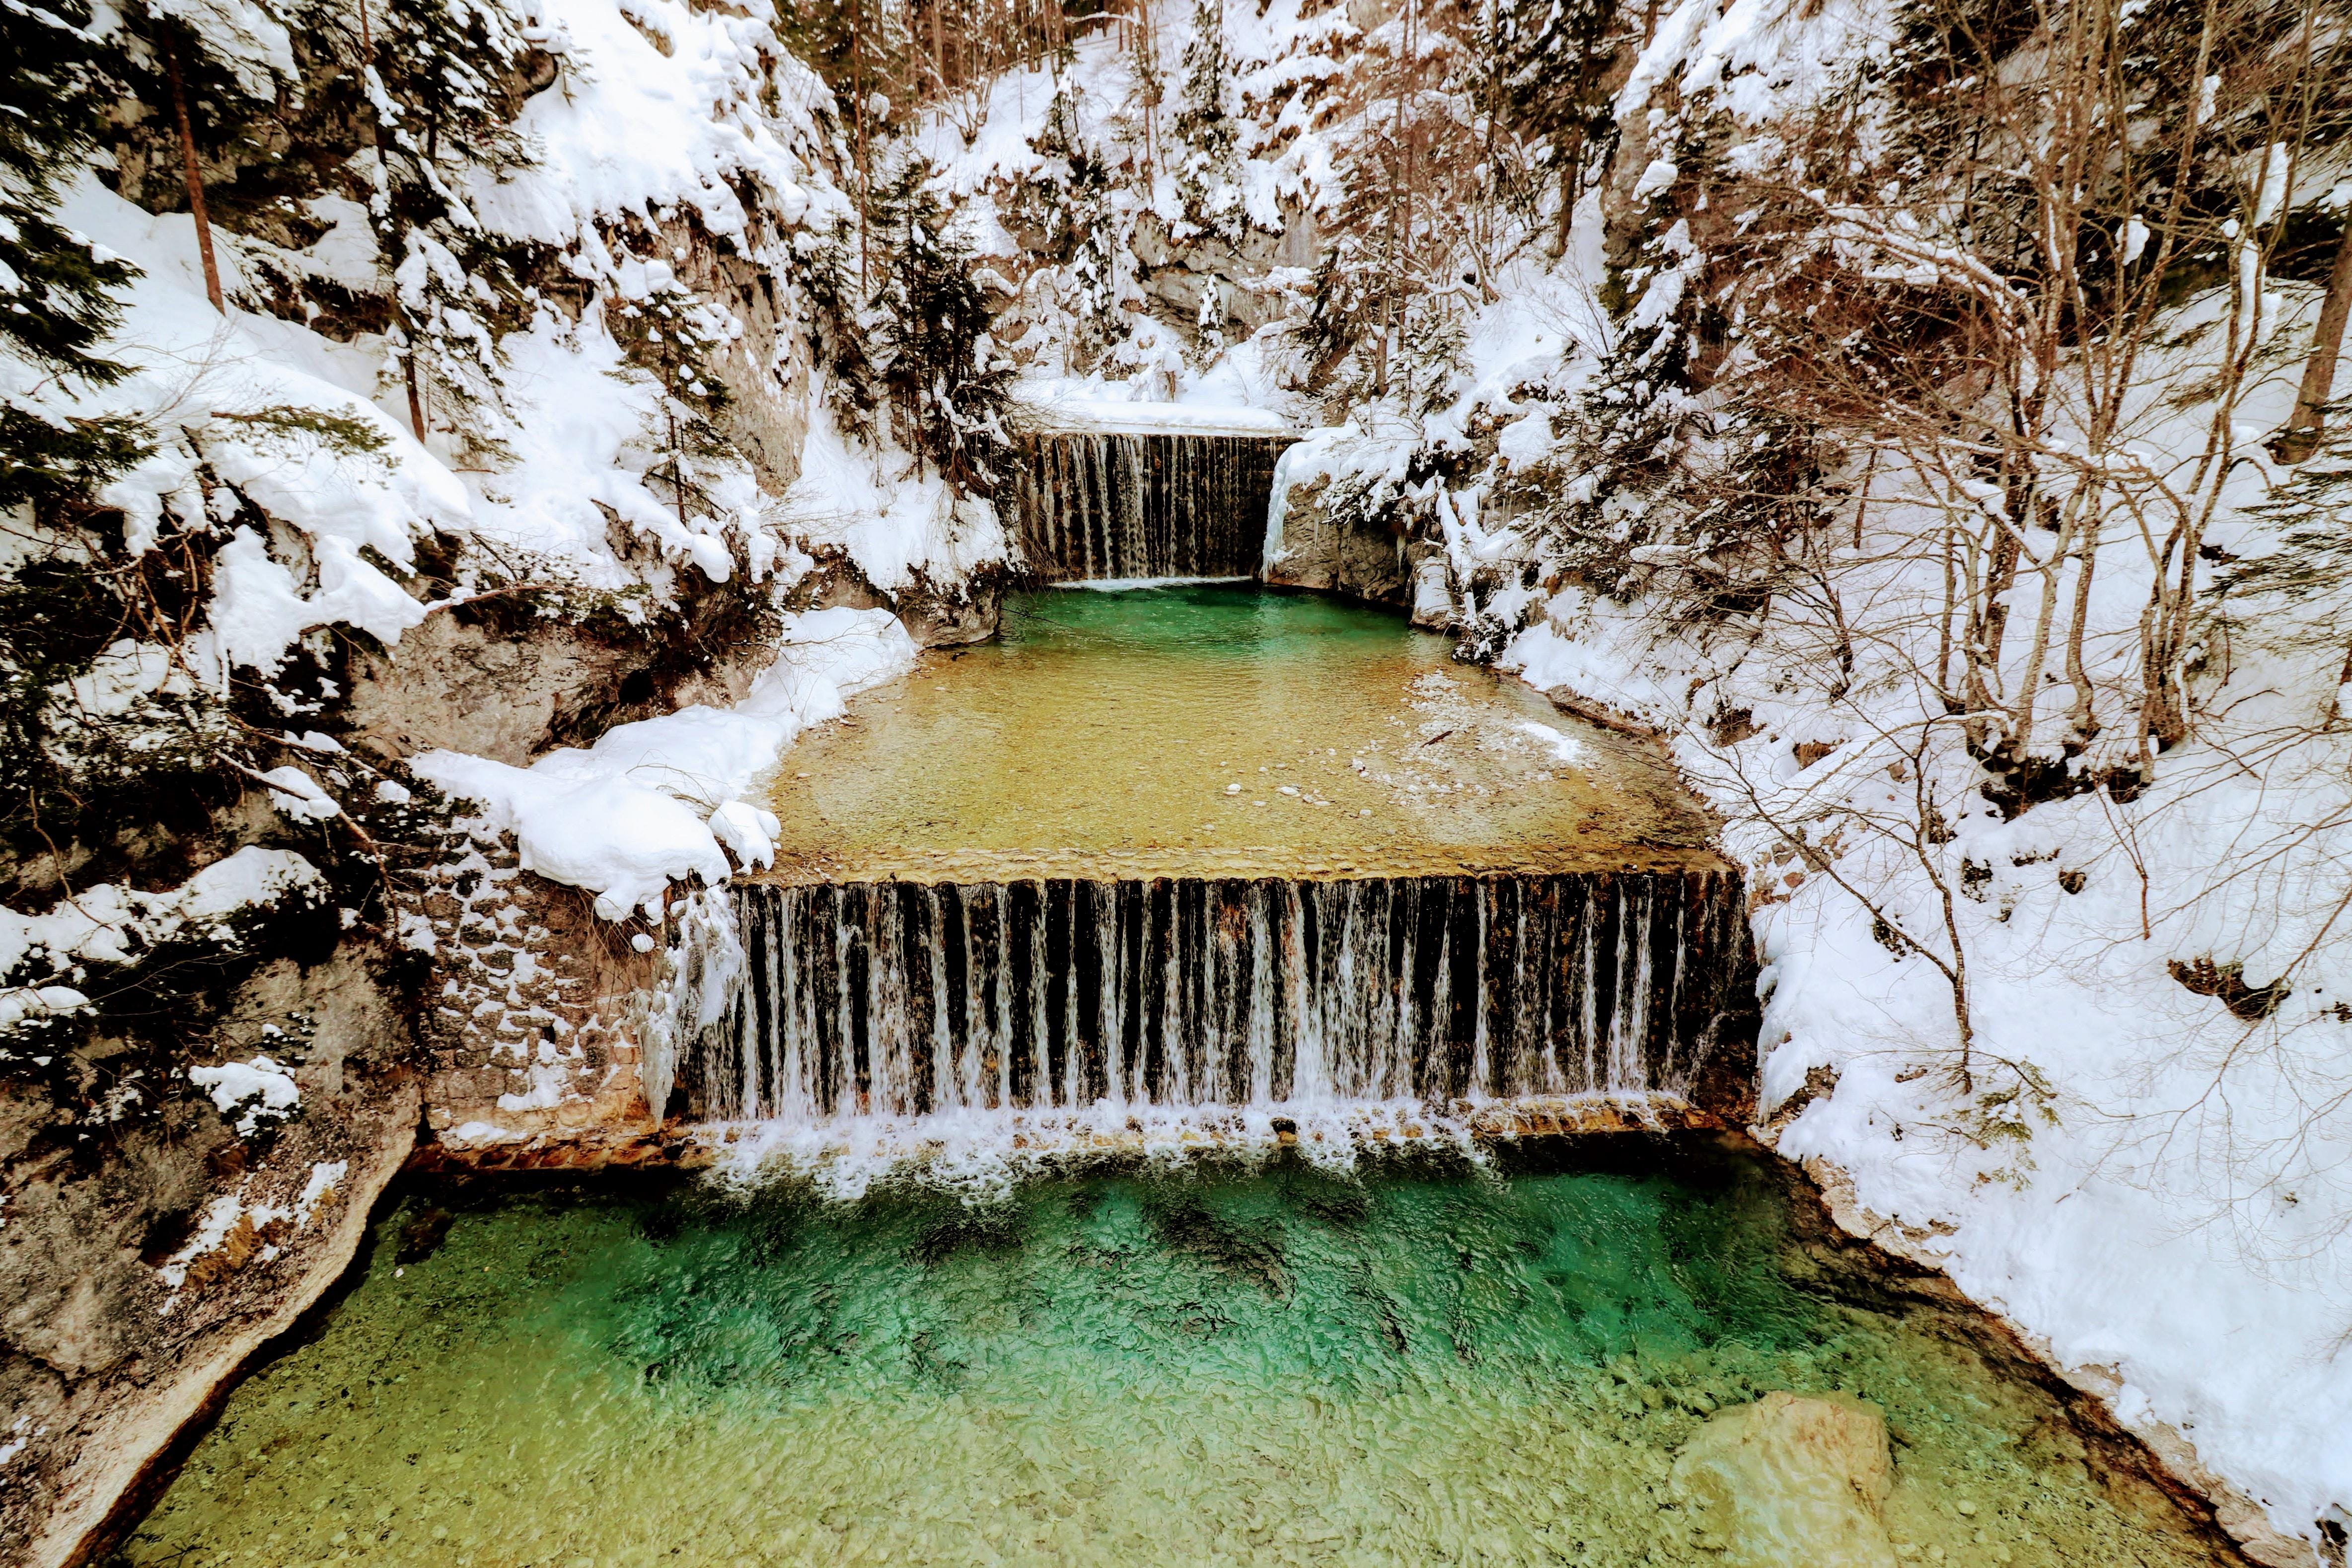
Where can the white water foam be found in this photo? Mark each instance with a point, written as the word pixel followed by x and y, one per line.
pixel 982 1154
pixel 1128 584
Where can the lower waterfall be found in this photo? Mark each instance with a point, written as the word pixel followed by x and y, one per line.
pixel 905 999
pixel 1097 507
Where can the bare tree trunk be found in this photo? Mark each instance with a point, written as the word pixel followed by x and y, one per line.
pixel 2301 438
pixel 415 400
pixel 375 141
pixel 1943 625
pixel 2020 739
pixel 1494 173
pixel 2084 719
pixel 1988 626
pixel 1861 504
pixel 1410 132
pixel 1572 190
pixel 1390 326
pixel 194 175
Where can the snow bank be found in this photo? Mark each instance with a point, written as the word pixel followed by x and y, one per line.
pixel 641 128
pixel 892 521
pixel 257 1091
pixel 111 924
pixel 653 803
pixel 2164 1214
pixel 246 385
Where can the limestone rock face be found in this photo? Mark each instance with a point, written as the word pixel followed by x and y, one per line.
pixel 1235 279
pixel 145 1260
pixel 1793 1481
pixel 954 616
pixel 1338 555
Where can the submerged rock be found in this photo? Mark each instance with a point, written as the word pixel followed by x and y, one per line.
pixel 1793 1481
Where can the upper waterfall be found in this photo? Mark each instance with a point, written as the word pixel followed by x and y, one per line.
pixel 1096 505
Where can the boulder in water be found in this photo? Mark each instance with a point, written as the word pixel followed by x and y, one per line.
pixel 1793 1481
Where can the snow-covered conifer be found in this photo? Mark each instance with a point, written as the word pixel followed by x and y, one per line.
pixel 55 299
pixel 944 379
pixel 1207 127
pixel 439 78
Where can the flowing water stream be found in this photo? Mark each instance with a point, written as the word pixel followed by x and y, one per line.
pixel 1220 855
pixel 1408 1366
pixel 1155 870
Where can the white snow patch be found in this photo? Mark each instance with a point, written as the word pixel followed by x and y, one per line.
pixel 1564 748
pixel 1054 409
pixel 632 813
pixel 256 1091
pixel 108 924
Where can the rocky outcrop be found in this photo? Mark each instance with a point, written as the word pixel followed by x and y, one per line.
pixel 765 368
pixel 1341 550
pixel 142 1263
pixel 499 681
pixel 1239 281
pixel 935 615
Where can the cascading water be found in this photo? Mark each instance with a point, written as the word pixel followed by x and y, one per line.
pixel 1105 506
pixel 903 999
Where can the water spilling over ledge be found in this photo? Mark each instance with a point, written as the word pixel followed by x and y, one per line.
pixel 1173 865
pixel 1128 504
pixel 903 999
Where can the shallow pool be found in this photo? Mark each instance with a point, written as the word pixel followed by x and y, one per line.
pixel 1414 1365
pixel 1217 731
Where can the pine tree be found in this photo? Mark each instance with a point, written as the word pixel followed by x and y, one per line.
pixel 1206 127
pixel 945 381
pixel 1071 198
pixel 1551 61
pixel 56 305
pixel 213 82
pixel 56 289
pixel 437 82
pixel 674 333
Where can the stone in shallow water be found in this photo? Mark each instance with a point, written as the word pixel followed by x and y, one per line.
pixel 1793 1481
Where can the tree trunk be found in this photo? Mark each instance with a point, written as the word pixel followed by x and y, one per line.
pixel 2301 438
pixel 195 175
pixel 415 400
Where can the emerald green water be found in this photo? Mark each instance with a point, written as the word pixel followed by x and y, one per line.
pixel 1413 1366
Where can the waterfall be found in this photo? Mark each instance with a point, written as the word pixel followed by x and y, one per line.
pixel 1130 505
pixel 906 999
